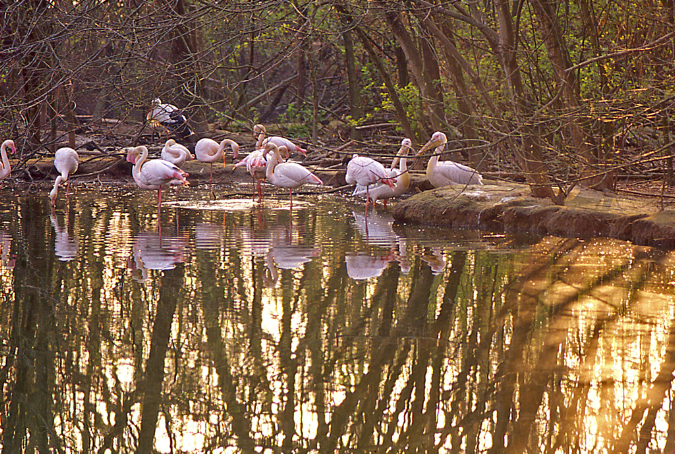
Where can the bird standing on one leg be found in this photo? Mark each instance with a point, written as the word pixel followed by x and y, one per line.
pixel 155 174
pixel 208 150
pixel 289 175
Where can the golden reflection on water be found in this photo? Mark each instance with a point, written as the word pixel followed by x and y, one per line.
pixel 257 328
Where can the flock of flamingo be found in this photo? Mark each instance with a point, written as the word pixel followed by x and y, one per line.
pixel 268 162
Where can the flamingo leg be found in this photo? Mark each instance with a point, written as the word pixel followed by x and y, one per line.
pixel 159 203
pixel 290 194
pixel 211 178
pixel 260 190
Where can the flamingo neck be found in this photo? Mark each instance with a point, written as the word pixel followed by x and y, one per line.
pixel 4 170
pixel 271 163
pixel 139 163
pixel 261 139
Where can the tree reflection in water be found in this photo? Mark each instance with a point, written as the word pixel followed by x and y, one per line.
pixel 482 344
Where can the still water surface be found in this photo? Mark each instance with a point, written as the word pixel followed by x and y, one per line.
pixel 228 326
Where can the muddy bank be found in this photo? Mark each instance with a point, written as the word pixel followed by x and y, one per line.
pixel 507 207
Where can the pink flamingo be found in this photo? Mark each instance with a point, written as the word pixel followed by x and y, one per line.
pixel 176 153
pixel 289 175
pixel 66 162
pixel 154 174
pixel 365 171
pixel 255 164
pixel 5 168
pixel 208 150
pixel 276 140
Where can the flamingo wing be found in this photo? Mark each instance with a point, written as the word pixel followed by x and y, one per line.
pixel 207 150
pixel 292 175
pixel 158 173
pixel 284 142
pixel 449 172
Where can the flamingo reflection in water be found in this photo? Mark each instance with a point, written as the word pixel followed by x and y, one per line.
pixel 208 236
pixel 5 248
pixel 152 251
pixel 65 245
pixel 281 247
pixel 377 229
pixel 286 257
pixel 435 260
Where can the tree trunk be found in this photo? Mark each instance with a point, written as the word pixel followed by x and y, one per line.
pixel 416 64
pixel 558 54
pixel 353 79
pixel 529 156
pixel 384 75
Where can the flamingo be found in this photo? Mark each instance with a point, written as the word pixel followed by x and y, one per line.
pixel 176 153
pixel 255 164
pixel 365 171
pixel 289 175
pixel 276 140
pixel 401 176
pixel 154 174
pixel 445 173
pixel 66 162
pixel 5 168
pixel 208 150
pixel 170 118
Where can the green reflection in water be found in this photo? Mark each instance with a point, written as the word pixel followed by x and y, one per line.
pixel 252 329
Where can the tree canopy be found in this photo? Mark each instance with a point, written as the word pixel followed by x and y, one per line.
pixel 559 93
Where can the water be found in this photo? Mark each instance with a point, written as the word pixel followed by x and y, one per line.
pixel 226 326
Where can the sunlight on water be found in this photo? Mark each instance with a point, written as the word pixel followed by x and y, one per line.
pixel 232 326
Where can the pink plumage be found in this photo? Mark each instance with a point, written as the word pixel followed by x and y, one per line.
pixel 289 175
pixel 156 174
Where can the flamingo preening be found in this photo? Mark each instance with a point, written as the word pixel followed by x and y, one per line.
pixel 289 175
pixel 365 172
pixel 382 191
pixel 155 174
pixel 176 153
pixel 276 140
pixel 255 164
pixel 445 173
pixel 209 151
pixel 5 168
pixel 66 162
pixel 170 118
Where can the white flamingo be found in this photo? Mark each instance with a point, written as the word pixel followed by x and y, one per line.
pixel 445 173
pixel 209 151
pixel 5 168
pixel 276 140
pixel 176 153
pixel 289 175
pixel 66 162
pixel 382 191
pixel 155 174
pixel 365 172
